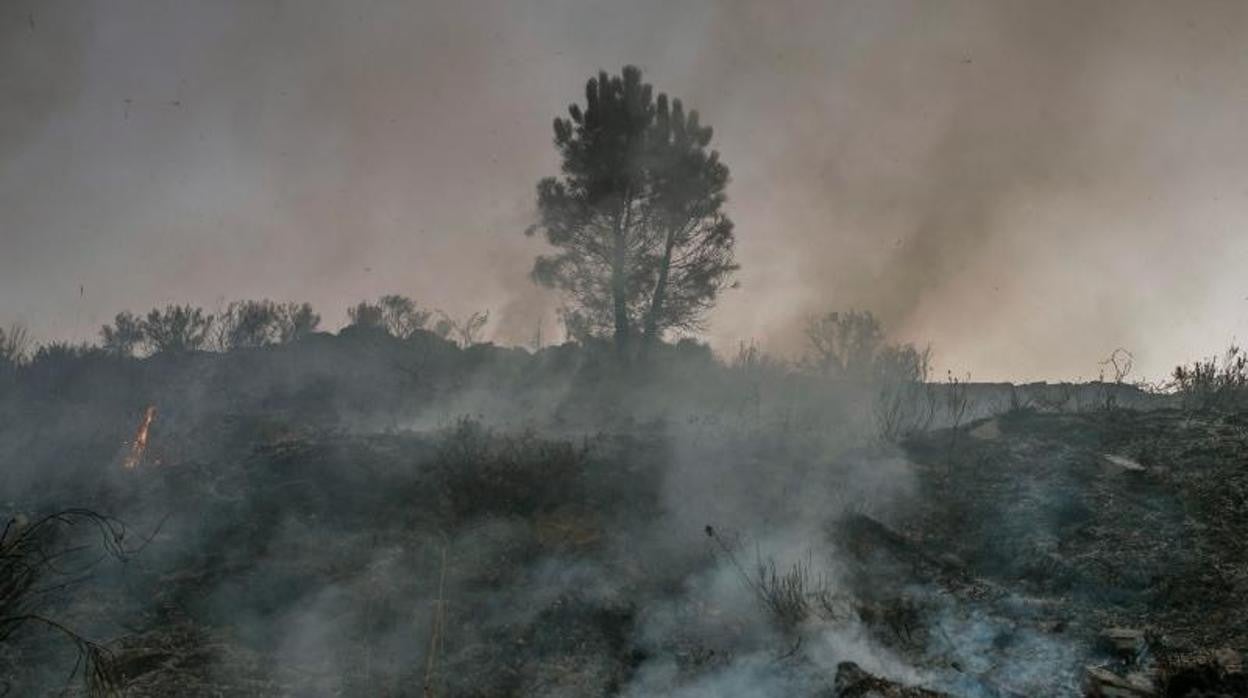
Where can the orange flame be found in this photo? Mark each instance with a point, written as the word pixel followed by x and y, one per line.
pixel 139 446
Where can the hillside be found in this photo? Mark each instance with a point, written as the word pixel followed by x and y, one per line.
pixel 323 519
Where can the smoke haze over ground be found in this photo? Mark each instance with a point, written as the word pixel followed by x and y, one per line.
pixel 1027 185
pixel 428 489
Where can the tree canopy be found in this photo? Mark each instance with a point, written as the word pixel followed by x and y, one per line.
pixel 642 244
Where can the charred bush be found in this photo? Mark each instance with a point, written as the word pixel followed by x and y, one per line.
pixel 14 344
pixel 478 472
pixel 40 556
pixel 791 595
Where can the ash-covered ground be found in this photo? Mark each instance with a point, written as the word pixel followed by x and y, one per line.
pixel 359 515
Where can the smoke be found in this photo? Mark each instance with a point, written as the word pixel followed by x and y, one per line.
pixel 322 518
pixel 992 177
pixel 1027 185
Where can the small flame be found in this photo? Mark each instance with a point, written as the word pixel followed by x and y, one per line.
pixel 139 446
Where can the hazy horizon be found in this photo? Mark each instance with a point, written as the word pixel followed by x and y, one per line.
pixel 1024 185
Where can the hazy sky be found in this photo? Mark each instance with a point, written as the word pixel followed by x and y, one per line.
pixel 1026 185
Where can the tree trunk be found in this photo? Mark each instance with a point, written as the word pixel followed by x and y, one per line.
pixel 651 336
pixel 619 295
pixel 619 276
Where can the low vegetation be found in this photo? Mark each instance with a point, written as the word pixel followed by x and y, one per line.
pixel 1214 383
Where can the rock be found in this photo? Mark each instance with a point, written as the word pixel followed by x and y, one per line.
pixel 1128 643
pixel 853 682
pixel 988 431
pixel 1229 661
pixel 1103 683
pixel 1122 462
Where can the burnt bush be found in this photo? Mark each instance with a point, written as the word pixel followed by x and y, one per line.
pixel 477 472
pixel 41 556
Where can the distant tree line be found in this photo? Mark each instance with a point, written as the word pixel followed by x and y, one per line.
pixel 183 328
pixel 244 324
pixel 260 323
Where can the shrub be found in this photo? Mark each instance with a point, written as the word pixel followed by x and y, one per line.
pixel 13 346
pixel 1215 382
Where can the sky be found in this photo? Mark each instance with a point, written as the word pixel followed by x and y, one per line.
pixel 1025 185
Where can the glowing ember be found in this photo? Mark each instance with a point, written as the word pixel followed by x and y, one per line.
pixel 139 445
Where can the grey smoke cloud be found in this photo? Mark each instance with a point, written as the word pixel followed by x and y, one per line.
pixel 1027 185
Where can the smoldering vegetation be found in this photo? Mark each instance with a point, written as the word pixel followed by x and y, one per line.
pixel 387 511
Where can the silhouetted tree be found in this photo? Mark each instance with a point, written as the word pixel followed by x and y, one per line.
pixel 401 316
pixel 398 315
pixel 365 314
pixel 296 320
pixel 263 323
pixel 123 336
pixel 642 242
pixel 176 328
pixel 246 324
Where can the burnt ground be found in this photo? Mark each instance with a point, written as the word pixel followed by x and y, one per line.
pixel 1037 554
pixel 1083 526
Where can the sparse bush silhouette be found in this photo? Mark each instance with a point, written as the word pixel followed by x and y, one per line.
pixel 905 402
pixel 464 333
pixel 844 344
pixel 177 329
pixel 643 243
